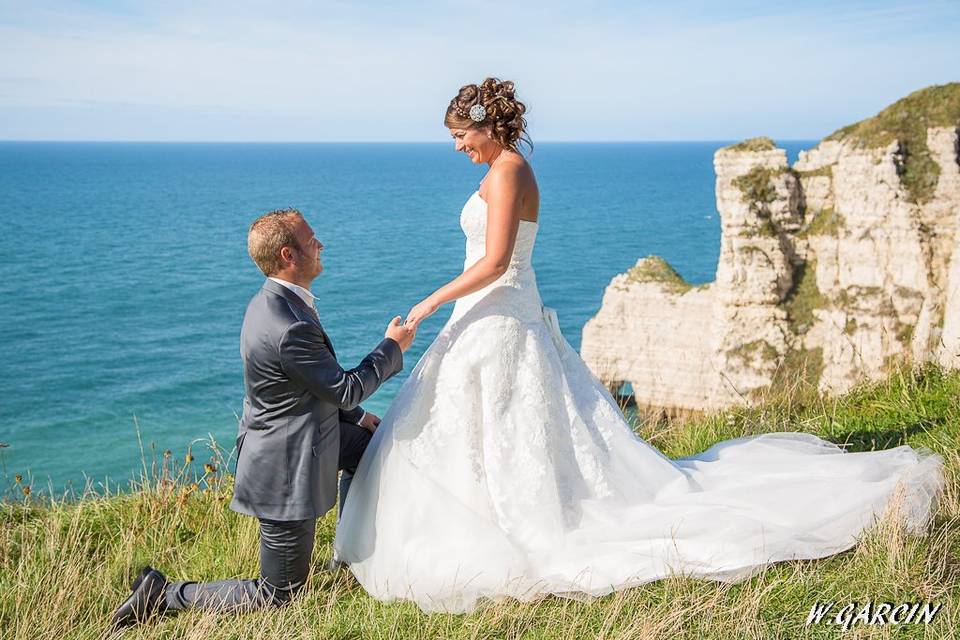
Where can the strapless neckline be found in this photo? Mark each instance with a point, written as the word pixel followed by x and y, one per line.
pixel 477 193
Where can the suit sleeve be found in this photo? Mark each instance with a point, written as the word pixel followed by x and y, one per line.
pixel 305 357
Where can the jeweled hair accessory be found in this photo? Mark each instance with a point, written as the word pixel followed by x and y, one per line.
pixel 478 112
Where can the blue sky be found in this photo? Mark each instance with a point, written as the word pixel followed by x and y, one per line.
pixel 306 71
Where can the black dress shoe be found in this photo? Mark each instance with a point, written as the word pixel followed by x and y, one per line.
pixel 147 601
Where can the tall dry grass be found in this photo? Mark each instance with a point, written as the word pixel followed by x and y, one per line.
pixel 65 564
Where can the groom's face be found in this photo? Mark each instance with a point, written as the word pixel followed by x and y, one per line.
pixel 309 265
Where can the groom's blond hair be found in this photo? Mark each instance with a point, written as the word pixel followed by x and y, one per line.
pixel 268 234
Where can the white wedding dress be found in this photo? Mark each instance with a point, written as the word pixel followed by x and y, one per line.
pixel 505 468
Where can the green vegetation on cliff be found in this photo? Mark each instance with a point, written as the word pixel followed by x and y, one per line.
pixel 756 186
pixel 825 222
pixel 799 363
pixel 65 566
pixel 761 143
pixel 758 190
pixel 752 350
pixel 907 120
pixel 803 298
pixel 656 269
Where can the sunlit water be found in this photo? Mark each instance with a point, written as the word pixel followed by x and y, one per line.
pixel 125 274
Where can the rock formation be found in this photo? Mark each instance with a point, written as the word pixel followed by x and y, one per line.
pixel 829 270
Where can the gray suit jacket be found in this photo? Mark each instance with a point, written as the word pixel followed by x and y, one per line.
pixel 296 396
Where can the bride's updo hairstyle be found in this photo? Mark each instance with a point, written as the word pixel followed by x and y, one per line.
pixel 501 112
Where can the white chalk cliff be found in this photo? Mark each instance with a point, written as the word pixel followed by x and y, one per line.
pixel 829 271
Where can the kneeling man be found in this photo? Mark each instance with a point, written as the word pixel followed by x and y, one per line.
pixel 301 423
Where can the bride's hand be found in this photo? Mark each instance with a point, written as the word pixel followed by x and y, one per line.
pixel 421 311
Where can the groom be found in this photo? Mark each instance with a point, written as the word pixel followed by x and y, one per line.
pixel 301 424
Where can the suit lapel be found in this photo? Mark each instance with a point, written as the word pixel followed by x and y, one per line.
pixel 303 311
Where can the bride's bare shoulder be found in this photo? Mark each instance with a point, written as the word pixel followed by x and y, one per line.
pixel 511 172
pixel 513 175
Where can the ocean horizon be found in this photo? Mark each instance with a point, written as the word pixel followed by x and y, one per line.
pixel 125 274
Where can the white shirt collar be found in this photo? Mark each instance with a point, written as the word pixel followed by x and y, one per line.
pixel 304 294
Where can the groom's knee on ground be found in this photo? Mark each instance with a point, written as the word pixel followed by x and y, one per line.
pixel 276 597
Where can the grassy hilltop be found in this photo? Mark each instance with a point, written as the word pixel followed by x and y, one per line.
pixel 65 566
pixel 907 121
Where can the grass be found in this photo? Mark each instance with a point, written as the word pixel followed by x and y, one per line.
pixel 761 143
pixel 800 365
pixel 656 269
pixel 64 566
pixel 907 121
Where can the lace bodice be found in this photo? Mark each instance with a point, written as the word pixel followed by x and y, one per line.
pixel 516 290
pixel 473 221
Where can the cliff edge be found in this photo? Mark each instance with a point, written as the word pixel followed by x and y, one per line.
pixel 829 270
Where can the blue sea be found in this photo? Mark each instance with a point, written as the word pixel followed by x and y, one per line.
pixel 124 274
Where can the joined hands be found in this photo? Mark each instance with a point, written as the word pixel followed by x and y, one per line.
pixel 401 333
pixel 405 332
pixel 420 312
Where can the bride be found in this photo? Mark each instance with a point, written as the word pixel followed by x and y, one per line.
pixel 505 468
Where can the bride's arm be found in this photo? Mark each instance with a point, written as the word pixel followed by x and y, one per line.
pixel 503 220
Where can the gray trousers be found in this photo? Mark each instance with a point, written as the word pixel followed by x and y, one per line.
pixel 285 550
